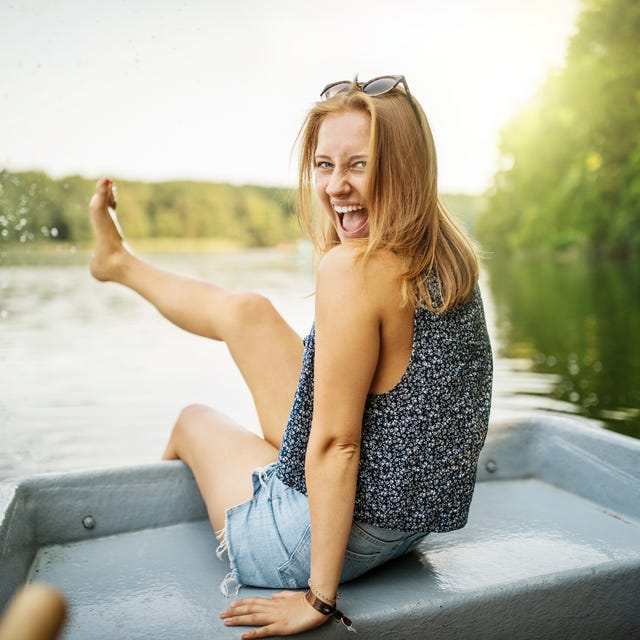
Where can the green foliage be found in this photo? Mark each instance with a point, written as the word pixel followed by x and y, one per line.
pixel 571 158
pixel 35 207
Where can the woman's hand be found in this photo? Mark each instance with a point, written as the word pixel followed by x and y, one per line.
pixel 283 614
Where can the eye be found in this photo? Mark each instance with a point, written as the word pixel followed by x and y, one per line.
pixel 323 164
pixel 361 164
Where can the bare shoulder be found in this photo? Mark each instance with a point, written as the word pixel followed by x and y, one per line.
pixel 372 321
pixel 341 257
pixel 346 266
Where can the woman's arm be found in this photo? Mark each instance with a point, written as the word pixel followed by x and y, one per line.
pixel 346 355
pixel 347 349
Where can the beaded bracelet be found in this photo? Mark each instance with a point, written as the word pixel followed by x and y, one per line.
pixel 321 596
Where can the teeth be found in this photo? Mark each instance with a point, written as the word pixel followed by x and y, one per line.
pixel 348 209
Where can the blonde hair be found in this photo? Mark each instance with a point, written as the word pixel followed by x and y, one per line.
pixel 405 213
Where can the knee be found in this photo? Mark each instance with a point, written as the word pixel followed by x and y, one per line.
pixel 252 308
pixel 187 423
pixel 191 415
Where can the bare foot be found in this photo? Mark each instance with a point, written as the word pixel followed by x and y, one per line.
pixel 110 250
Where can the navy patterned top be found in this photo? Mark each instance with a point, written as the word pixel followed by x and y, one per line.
pixel 420 440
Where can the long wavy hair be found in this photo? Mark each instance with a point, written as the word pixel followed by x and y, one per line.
pixel 406 215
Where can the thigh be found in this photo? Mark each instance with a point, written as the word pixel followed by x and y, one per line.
pixel 268 353
pixel 221 455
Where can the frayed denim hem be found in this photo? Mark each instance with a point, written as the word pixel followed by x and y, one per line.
pixel 222 543
pixel 230 585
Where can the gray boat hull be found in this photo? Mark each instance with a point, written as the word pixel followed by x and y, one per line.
pixel 552 549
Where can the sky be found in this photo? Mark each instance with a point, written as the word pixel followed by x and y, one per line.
pixel 217 89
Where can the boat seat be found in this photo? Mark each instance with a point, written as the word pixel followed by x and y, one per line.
pixel 542 556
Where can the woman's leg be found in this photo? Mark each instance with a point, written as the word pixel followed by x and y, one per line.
pixel 221 454
pixel 266 349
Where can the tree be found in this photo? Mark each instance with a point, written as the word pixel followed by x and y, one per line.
pixel 34 207
pixel 571 157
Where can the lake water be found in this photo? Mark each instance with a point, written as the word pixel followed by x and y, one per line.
pixel 92 376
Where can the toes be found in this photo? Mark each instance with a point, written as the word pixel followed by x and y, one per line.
pixel 104 194
pixel 103 185
pixel 113 203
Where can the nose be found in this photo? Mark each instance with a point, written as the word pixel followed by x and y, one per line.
pixel 338 184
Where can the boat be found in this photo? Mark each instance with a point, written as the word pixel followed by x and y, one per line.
pixel 551 549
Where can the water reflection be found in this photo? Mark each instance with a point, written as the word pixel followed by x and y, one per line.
pixel 578 324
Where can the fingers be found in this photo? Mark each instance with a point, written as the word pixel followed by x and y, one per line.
pixel 258 600
pixel 262 632
pixel 284 613
pixel 249 619
pixel 253 612
pixel 249 611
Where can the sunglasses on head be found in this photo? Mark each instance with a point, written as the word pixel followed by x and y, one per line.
pixel 374 87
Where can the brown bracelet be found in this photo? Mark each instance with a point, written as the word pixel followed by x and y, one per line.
pixel 327 610
pixel 324 608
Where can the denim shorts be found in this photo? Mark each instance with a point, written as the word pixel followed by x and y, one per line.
pixel 268 539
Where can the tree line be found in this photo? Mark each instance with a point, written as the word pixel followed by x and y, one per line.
pixel 570 159
pixel 35 207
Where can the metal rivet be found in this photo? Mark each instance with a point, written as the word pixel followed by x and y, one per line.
pixel 88 522
pixel 491 466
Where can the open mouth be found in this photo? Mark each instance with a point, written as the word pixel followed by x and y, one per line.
pixel 353 219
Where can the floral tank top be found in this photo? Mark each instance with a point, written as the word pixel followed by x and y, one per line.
pixel 420 440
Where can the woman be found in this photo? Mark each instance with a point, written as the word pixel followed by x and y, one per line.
pixel 373 425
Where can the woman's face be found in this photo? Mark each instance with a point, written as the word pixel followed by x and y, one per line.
pixel 341 171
